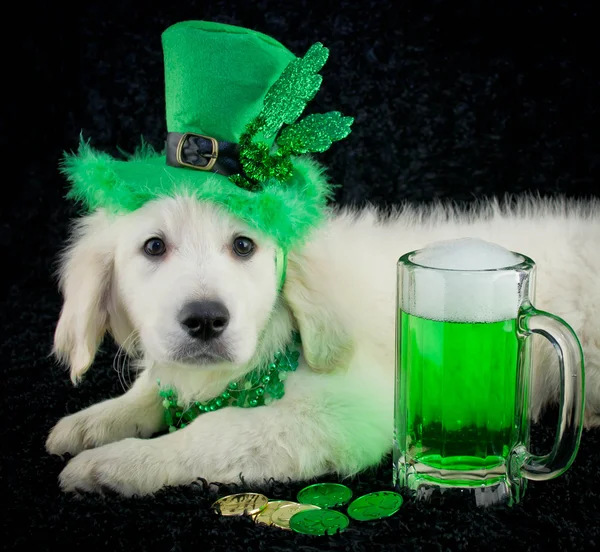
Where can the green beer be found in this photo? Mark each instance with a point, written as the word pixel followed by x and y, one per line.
pixel 459 382
pixel 463 375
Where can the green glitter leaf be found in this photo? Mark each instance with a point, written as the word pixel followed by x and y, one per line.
pixel 315 133
pixel 286 99
pixel 283 104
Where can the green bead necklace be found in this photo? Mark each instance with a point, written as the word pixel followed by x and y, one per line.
pixel 259 387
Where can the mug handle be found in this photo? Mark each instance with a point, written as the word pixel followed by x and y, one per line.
pixel 571 407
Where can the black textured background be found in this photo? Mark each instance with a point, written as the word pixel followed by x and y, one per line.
pixel 452 100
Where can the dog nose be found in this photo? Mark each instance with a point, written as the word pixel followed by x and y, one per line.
pixel 204 319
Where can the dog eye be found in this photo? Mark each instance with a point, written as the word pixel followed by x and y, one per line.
pixel 243 247
pixel 155 247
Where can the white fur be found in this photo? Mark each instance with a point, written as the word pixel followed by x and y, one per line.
pixel 337 412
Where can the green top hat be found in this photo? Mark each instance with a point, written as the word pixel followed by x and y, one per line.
pixel 233 97
pixel 216 77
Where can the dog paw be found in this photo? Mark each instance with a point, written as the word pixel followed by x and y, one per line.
pixel 90 428
pixel 129 467
pixel 71 434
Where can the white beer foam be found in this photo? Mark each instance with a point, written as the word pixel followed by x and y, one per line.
pixel 487 294
pixel 466 254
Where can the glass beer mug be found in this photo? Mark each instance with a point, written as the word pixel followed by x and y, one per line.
pixel 463 372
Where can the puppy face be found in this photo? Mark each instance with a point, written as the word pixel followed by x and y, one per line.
pixel 195 285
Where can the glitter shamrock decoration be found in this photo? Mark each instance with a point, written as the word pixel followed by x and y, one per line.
pixel 284 103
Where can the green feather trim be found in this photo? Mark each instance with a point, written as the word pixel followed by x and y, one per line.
pixel 287 214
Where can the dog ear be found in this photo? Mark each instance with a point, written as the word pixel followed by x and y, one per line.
pixel 85 274
pixel 326 343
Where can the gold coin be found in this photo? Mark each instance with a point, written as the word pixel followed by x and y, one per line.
pixel 281 517
pixel 240 504
pixel 264 517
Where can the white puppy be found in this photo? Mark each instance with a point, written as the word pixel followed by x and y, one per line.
pixel 337 412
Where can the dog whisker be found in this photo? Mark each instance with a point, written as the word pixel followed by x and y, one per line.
pixel 122 360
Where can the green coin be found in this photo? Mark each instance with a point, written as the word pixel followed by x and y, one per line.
pixel 375 506
pixel 318 522
pixel 325 495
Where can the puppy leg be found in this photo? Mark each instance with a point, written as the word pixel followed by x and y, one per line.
pixel 295 438
pixel 136 413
